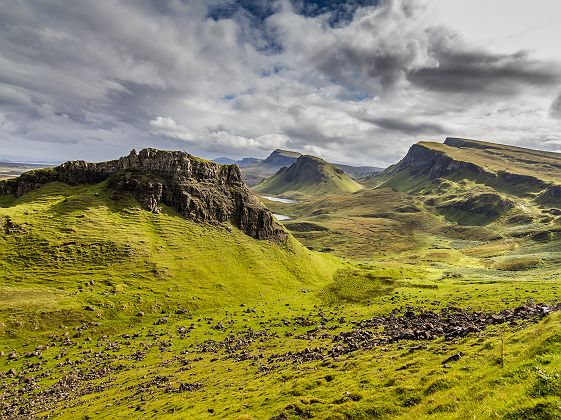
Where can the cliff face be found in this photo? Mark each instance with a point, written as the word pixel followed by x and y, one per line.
pixel 437 164
pixel 199 190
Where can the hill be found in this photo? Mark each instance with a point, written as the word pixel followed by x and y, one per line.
pixel 256 170
pixel 115 302
pixel 477 182
pixel 199 190
pixel 513 169
pixel 308 175
pixel 359 172
pixel 116 247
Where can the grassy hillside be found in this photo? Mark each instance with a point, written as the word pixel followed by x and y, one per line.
pixel 88 249
pixel 110 310
pixel 257 170
pixel 508 169
pixel 309 175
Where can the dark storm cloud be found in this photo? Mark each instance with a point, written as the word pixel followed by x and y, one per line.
pixel 378 52
pixel 403 125
pixel 480 72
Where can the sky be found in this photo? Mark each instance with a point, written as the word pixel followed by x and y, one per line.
pixel 354 81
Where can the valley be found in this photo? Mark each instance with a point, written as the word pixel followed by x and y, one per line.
pixel 159 285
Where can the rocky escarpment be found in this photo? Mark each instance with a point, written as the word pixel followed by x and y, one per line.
pixel 199 190
pixel 437 164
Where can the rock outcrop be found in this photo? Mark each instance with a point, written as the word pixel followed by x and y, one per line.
pixel 437 164
pixel 199 190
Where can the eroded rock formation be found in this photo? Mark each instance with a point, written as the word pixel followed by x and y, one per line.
pixel 199 190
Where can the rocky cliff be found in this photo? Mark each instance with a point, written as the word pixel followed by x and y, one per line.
pixel 436 163
pixel 199 190
pixel 475 160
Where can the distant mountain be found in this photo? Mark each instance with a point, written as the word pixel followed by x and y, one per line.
pixel 254 173
pixel 308 175
pixel 224 160
pixel 247 161
pixel 280 158
pixel 256 170
pixel 358 172
pixel 241 162
pixel 476 182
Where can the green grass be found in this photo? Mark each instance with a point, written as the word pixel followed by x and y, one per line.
pixel 68 237
pixel 77 269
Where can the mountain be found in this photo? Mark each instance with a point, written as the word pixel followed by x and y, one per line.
pixel 224 160
pixel 199 190
pixel 247 161
pixel 474 181
pixel 241 162
pixel 254 172
pixel 511 169
pixel 359 172
pixel 280 158
pixel 308 175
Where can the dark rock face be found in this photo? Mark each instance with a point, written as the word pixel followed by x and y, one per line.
pixel 436 164
pixel 199 190
pixel 280 158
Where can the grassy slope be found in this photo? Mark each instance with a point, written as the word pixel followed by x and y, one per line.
pixel 309 177
pixel 68 237
pixel 156 263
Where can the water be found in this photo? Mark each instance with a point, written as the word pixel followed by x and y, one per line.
pixel 281 217
pixel 280 200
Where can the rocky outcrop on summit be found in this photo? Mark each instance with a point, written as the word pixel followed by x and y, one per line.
pixel 437 164
pixel 199 190
pixel 487 163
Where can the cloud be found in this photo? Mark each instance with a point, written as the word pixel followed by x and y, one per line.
pixel 215 139
pixel 458 69
pixel 355 81
pixel 555 110
pixel 407 126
